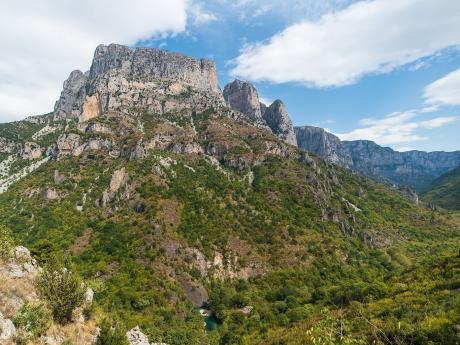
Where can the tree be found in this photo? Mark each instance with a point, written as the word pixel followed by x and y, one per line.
pixel 62 289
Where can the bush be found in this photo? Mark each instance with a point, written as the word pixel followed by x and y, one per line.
pixel 63 291
pixel 6 241
pixel 111 334
pixel 32 320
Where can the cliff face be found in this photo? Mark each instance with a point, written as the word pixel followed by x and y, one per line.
pixel 120 77
pixel 413 168
pixel 324 144
pixel 279 121
pixel 243 97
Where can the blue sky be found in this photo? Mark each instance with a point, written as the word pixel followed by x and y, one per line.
pixel 361 69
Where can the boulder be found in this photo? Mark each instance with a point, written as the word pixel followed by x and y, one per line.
pixel 7 329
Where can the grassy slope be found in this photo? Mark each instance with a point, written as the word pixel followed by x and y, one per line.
pixel 445 191
pixel 388 273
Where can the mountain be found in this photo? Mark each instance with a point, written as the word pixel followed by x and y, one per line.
pixel 445 190
pixel 412 168
pixel 177 206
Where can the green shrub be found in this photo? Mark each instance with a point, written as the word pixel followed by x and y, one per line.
pixel 32 320
pixel 6 241
pixel 111 334
pixel 62 289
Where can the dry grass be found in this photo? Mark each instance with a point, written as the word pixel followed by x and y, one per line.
pixel 14 292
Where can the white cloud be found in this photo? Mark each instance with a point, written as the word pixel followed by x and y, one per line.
pixel 200 16
pixel 43 41
pixel 367 37
pixel 444 91
pixel 395 128
pixel 438 122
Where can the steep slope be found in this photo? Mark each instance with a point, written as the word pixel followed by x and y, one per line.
pixel 163 212
pixel 445 191
pixel 412 168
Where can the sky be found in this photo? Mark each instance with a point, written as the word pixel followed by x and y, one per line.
pixel 382 70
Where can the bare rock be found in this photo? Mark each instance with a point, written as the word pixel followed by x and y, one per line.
pixel 7 146
pixel 92 107
pixel 279 122
pixel 119 178
pixel 50 194
pixel 71 96
pixel 67 144
pixel 136 337
pixel 7 329
pixel 242 96
pixel 31 151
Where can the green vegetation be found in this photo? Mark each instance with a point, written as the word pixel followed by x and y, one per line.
pixel 111 334
pixel 62 290
pixel 445 191
pixel 6 241
pixel 32 321
pixel 323 256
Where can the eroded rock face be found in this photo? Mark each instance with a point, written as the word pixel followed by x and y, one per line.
pixel 7 146
pixel 119 178
pixel 278 120
pixel 73 92
pixel 145 77
pixel 7 329
pixel 242 96
pixel 136 337
pixel 67 144
pixel 31 151
pixel 92 107
pixel 324 144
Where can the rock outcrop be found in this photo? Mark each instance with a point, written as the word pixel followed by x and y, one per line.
pixel 31 151
pixel 279 122
pixel 412 168
pixel 242 96
pixel 324 144
pixel 67 105
pixel 121 77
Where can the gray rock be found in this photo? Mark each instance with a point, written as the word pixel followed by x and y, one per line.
pixel 242 96
pixel 7 329
pixel 324 144
pixel 278 120
pixel 412 168
pixel 136 337
pixel 7 146
pixel 71 97
pixel 31 151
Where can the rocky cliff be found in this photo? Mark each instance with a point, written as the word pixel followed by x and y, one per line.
pixel 243 97
pixel 121 78
pixel 324 144
pixel 412 168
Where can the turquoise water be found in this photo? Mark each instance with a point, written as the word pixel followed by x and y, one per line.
pixel 210 321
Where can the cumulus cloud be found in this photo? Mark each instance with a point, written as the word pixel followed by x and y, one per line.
pixel 444 91
pixel 395 128
pixel 43 41
pixel 365 38
pixel 200 15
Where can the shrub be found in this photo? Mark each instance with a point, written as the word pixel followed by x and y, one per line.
pixel 6 241
pixel 32 320
pixel 111 334
pixel 62 289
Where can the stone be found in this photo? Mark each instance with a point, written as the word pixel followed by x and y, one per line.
pixel 247 310
pixel 7 329
pixel 50 194
pixel 279 122
pixel 67 144
pixel 31 151
pixel 136 337
pixel 92 107
pixel 119 178
pixel 58 178
pixel 71 96
pixel 243 97
pixel 7 146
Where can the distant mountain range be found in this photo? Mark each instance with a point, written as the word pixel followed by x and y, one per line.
pixel 417 169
